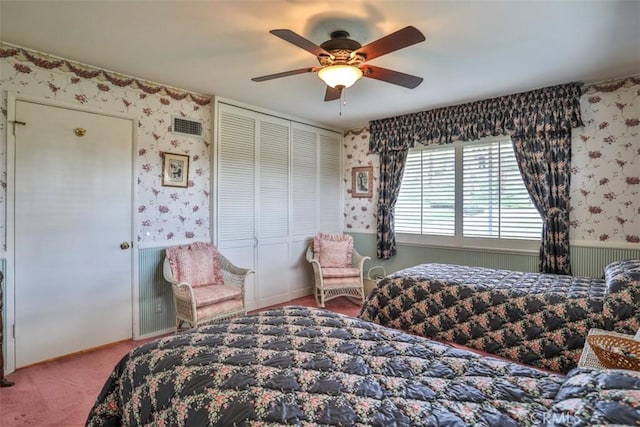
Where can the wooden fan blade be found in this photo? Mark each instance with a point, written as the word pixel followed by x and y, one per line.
pixel 332 93
pixel 391 76
pixel 400 39
pixel 285 74
pixel 300 41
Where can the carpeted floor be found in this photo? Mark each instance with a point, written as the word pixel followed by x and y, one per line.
pixel 62 392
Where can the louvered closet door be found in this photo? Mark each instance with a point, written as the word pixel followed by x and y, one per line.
pixel 273 211
pixel 305 190
pixel 236 207
pixel 316 202
pixel 253 200
pixel 278 183
pixel 304 204
pixel 316 181
pixel 331 203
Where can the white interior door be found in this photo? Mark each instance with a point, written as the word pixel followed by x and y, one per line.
pixel 73 281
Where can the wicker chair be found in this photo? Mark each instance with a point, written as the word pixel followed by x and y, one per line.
pixel 343 276
pixel 206 286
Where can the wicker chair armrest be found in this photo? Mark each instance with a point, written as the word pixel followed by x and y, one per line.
pixel 183 291
pixel 314 262
pixel 232 274
pixel 358 260
pixel 317 268
pixel 226 265
pixel 168 275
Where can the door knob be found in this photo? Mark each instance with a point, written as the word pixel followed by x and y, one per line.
pixel 124 245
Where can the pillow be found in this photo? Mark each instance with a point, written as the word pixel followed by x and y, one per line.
pixel 619 274
pixel 197 264
pixel 333 250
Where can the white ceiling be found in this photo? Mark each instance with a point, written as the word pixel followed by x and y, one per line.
pixel 474 49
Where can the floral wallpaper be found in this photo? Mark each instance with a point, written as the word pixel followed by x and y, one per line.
pixel 163 214
pixel 605 181
pixel 359 213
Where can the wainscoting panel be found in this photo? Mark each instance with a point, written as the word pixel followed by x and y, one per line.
pixel 155 298
pixel 3 268
pixel 590 261
pixel 585 261
pixel 520 262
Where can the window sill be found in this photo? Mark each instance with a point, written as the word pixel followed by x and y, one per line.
pixel 507 246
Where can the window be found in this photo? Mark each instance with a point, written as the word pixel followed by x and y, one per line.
pixel 466 194
pixel 426 203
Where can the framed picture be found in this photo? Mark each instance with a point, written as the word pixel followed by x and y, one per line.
pixel 362 181
pixel 175 170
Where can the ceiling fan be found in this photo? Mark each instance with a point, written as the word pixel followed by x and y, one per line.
pixel 342 60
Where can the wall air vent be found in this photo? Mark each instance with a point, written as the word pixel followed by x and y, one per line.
pixel 188 127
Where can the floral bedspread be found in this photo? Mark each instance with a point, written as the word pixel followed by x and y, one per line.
pixel 595 398
pixel 305 366
pixel 533 318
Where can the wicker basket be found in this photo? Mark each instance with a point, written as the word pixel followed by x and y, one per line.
pixel 372 278
pixel 616 352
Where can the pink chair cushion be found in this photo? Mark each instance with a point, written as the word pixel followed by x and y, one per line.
pixel 197 264
pixel 330 272
pixel 214 294
pixel 226 308
pixel 333 250
pixel 341 282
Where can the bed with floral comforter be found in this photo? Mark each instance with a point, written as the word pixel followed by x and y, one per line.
pixel 306 366
pixel 533 318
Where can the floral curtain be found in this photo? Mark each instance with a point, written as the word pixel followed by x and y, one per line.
pixel 544 163
pixel 391 171
pixel 543 116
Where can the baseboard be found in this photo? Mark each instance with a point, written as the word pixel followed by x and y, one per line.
pixel 155 334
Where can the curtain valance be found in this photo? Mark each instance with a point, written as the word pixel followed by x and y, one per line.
pixel 548 110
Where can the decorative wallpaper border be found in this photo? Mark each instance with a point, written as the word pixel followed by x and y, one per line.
pixel 611 85
pixel 88 72
pixel 356 132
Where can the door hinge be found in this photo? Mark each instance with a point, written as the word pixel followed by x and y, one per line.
pixel 13 331
pixel 16 122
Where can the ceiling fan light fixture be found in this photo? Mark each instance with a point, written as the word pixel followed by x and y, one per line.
pixel 340 75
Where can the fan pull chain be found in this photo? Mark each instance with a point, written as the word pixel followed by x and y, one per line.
pixel 343 99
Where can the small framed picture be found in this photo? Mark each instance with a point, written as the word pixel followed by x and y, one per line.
pixel 175 170
pixel 362 181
